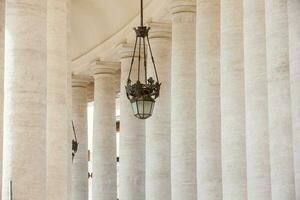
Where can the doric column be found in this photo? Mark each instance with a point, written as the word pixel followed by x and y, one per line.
pixel 58 150
pixel 209 166
pixel 294 38
pixel 79 117
pixel 233 101
pixel 158 127
pixel 25 89
pixel 279 104
pixel 104 137
pixel 256 98
pixel 183 87
pixel 2 33
pixel 132 139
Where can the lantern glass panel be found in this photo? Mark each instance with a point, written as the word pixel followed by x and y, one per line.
pixel 134 108
pixel 143 108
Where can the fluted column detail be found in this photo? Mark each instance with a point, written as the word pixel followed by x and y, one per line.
pixel 209 166
pixel 183 86
pixel 280 122
pixel 79 117
pixel 104 137
pixel 256 98
pixel 294 43
pixel 132 138
pixel 25 89
pixel 158 127
pixel 233 101
pixel 58 150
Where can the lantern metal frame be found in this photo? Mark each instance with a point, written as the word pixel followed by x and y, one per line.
pixel 148 91
pixel 75 143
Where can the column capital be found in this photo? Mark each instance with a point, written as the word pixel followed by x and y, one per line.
pixel 100 67
pixel 80 81
pixel 160 30
pixel 125 50
pixel 180 6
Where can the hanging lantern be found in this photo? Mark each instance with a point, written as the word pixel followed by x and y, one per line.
pixel 142 92
pixel 74 142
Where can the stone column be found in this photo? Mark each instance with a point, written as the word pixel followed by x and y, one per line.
pixel 2 33
pixel 183 106
pixel 57 111
pixel 132 139
pixel 256 98
pixel 25 106
pixel 158 127
pixel 104 137
pixel 280 126
pixel 209 165
pixel 80 161
pixel 233 101
pixel 69 96
pixel 294 43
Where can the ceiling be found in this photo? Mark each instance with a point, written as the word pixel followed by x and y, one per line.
pixel 94 21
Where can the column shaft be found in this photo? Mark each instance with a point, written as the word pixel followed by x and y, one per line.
pixel 104 137
pixel 132 139
pixel 280 126
pixel 256 98
pixel 80 161
pixel 233 101
pixel 2 33
pixel 69 95
pixel 158 127
pixel 25 100
pixel 57 111
pixel 209 166
pixel 183 86
pixel 294 43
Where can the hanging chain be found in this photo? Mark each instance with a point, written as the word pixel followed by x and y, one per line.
pixel 145 61
pixel 152 58
pixel 132 60
pixel 139 64
pixel 142 33
pixel 142 13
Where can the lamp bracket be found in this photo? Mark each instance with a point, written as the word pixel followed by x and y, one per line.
pixel 138 90
pixel 142 31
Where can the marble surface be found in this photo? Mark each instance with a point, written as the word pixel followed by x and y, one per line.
pixel 256 102
pixel 2 33
pixel 104 136
pixel 158 127
pixel 79 117
pixel 25 100
pixel 57 108
pixel 183 101
pixel 209 162
pixel 294 52
pixel 132 138
pixel 233 101
pixel 279 101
